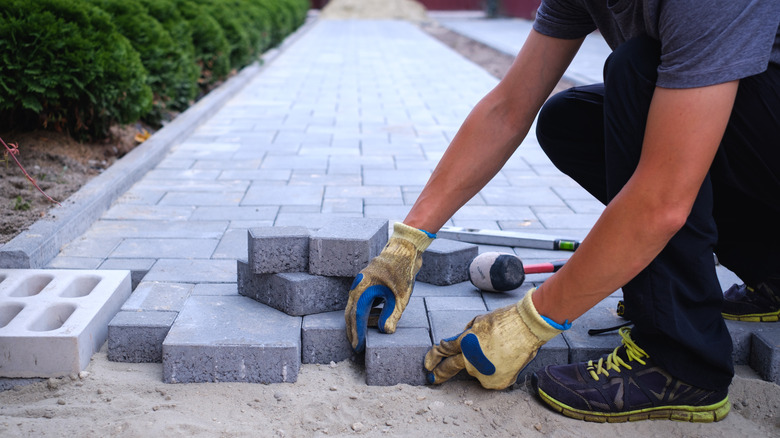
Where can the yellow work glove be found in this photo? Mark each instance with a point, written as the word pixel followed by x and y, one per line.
pixel 388 279
pixel 494 347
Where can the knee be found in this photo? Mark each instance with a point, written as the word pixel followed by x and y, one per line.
pixel 636 59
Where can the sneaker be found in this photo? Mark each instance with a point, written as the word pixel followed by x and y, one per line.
pixel 626 385
pixel 759 304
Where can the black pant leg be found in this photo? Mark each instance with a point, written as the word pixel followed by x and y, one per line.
pixel 746 181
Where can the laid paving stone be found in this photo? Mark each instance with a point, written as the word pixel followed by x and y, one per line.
pixel 232 339
pixel 138 268
pixel 585 347
pixel 465 289
pixel 455 303
pixel 137 336
pixel 396 358
pixel 447 262
pixel 765 352
pixel 215 289
pixel 343 247
pixel 497 300
pixel 151 295
pixel 295 293
pixel 278 249
pixel 193 271
pixel 324 338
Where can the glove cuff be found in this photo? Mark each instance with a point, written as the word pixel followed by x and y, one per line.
pixel 535 322
pixel 416 237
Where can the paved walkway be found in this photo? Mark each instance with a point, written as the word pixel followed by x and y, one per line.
pixel 348 121
pixel 508 36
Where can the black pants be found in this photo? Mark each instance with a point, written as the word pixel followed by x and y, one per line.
pixel 594 134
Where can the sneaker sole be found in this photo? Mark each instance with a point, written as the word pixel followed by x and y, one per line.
pixel 692 414
pixel 754 317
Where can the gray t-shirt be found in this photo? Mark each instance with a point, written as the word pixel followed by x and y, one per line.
pixel 702 42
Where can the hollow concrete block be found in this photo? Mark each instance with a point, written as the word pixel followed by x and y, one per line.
pixel 52 321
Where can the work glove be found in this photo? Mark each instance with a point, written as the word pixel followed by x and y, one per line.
pixel 388 279
pixel 494 347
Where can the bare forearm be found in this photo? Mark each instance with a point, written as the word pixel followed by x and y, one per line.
pixel 684 129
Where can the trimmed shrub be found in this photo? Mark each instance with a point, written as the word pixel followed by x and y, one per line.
pixel 228 19
pixel 281 19
pixel 166 12
pixel 64 66
pixel 212 50
pixel 163 60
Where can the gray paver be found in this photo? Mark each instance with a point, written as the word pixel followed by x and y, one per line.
pixel 193 271
pixel 232 339
pixel 765 353
pixel 344 247
pixel 278 249
pixel 159 296
pixel 447 262
pixel 585 347
pixel 137 336
pixel 475 303
pixel 295 293
pixel 464 289
pixel 396 358
pixel 137 267
pixel 324 339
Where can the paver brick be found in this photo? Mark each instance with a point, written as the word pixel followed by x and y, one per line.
pixel 152 295
pixel 137 336
pixel 295 293
pixel 446 262
pixel 345 246
pixel 396 358
pixel 232 339
pixel 765 353
pixel 324 338
pixel 278 249
pixel 474 303
pixel 585 347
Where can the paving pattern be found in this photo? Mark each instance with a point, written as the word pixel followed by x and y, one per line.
pixel 347 122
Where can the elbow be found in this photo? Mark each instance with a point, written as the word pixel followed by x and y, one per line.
pixel 669 219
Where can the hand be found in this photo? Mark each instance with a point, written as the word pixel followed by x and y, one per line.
pixel 388 278
pixel 494 347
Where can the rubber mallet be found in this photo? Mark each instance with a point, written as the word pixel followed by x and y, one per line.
pixel 500 272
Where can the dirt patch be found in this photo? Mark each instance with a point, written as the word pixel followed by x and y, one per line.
pixel 59 164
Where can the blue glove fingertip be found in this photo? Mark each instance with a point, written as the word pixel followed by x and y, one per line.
pixel 431 378
pixel 472 352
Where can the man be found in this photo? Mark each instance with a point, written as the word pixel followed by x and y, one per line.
pixel 682 144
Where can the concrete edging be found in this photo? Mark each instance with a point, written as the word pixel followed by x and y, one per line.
pixel 39 244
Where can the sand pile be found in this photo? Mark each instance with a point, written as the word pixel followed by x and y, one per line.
pixel 375 9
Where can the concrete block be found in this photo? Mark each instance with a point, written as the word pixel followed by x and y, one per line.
pixel 137 336
pixel 231 339
pixel 447 262
pixel 324 338
pixel 584 347
pixel 278 249
pixel 52 321
pixel 344 246
pixel 295 293
pixel 396 358
pixel 152 295
pixel 765 353
pixel 554 352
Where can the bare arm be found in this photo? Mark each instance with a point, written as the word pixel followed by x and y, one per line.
pixel 493 130
pixel 684 130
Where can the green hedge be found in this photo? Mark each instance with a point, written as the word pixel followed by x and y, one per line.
pixel 82 65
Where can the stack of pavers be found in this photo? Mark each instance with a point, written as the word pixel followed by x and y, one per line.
pixel 288 308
